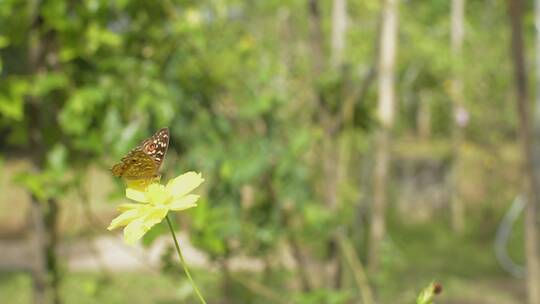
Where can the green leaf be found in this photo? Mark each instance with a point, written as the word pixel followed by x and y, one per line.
pixel 4 41
pixel 45 83
pixel 11 104
pixel 33 182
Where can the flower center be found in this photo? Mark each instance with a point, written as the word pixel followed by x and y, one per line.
pixel 157 194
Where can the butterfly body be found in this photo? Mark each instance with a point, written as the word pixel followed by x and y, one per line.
pixel 143 162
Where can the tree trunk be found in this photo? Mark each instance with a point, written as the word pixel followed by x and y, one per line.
pixel 39 269
pixel 385 112
pixel 226 282
pixel 456 94
pixel 53 268
pixel 536 117
pixel 316 36
pixel 339 29
pixel 536 143
pixel 338 145
pixel 331 266
pixel 387 58
pixel 423 116
pixel 531 212
pixel 378 212
pixel 46 273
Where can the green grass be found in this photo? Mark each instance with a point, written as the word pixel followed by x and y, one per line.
pixel 133 288
pixel 415 255
pixel 15 288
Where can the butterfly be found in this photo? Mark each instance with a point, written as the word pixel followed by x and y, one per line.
pixel 143 162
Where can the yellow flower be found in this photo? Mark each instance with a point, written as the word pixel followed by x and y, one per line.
pixel 155 201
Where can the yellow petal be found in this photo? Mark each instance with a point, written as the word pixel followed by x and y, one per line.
pixel 184 203
pixel 138 228
pixel 136 195
pixel 155 216
pixel 134 231
pixel 125 218
pixel 127 207
pixel 156 194
pixel 184 184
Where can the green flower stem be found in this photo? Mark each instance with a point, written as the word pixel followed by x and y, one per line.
pixel 184 265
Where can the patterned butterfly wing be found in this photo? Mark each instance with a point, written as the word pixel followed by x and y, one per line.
pixel 144 161
pixel 136 165
pixel 156 146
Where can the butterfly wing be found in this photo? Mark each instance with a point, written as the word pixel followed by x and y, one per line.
pixel 144 161
pixel 156 146
pixel 139 166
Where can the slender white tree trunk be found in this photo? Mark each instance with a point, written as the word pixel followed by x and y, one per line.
pixel 456 43
pixel 385 112
pixel 387 59
pixel 537 27
pixel 339 30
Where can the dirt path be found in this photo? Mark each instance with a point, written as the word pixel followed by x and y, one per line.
pixel 110 252
pixel 94 253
